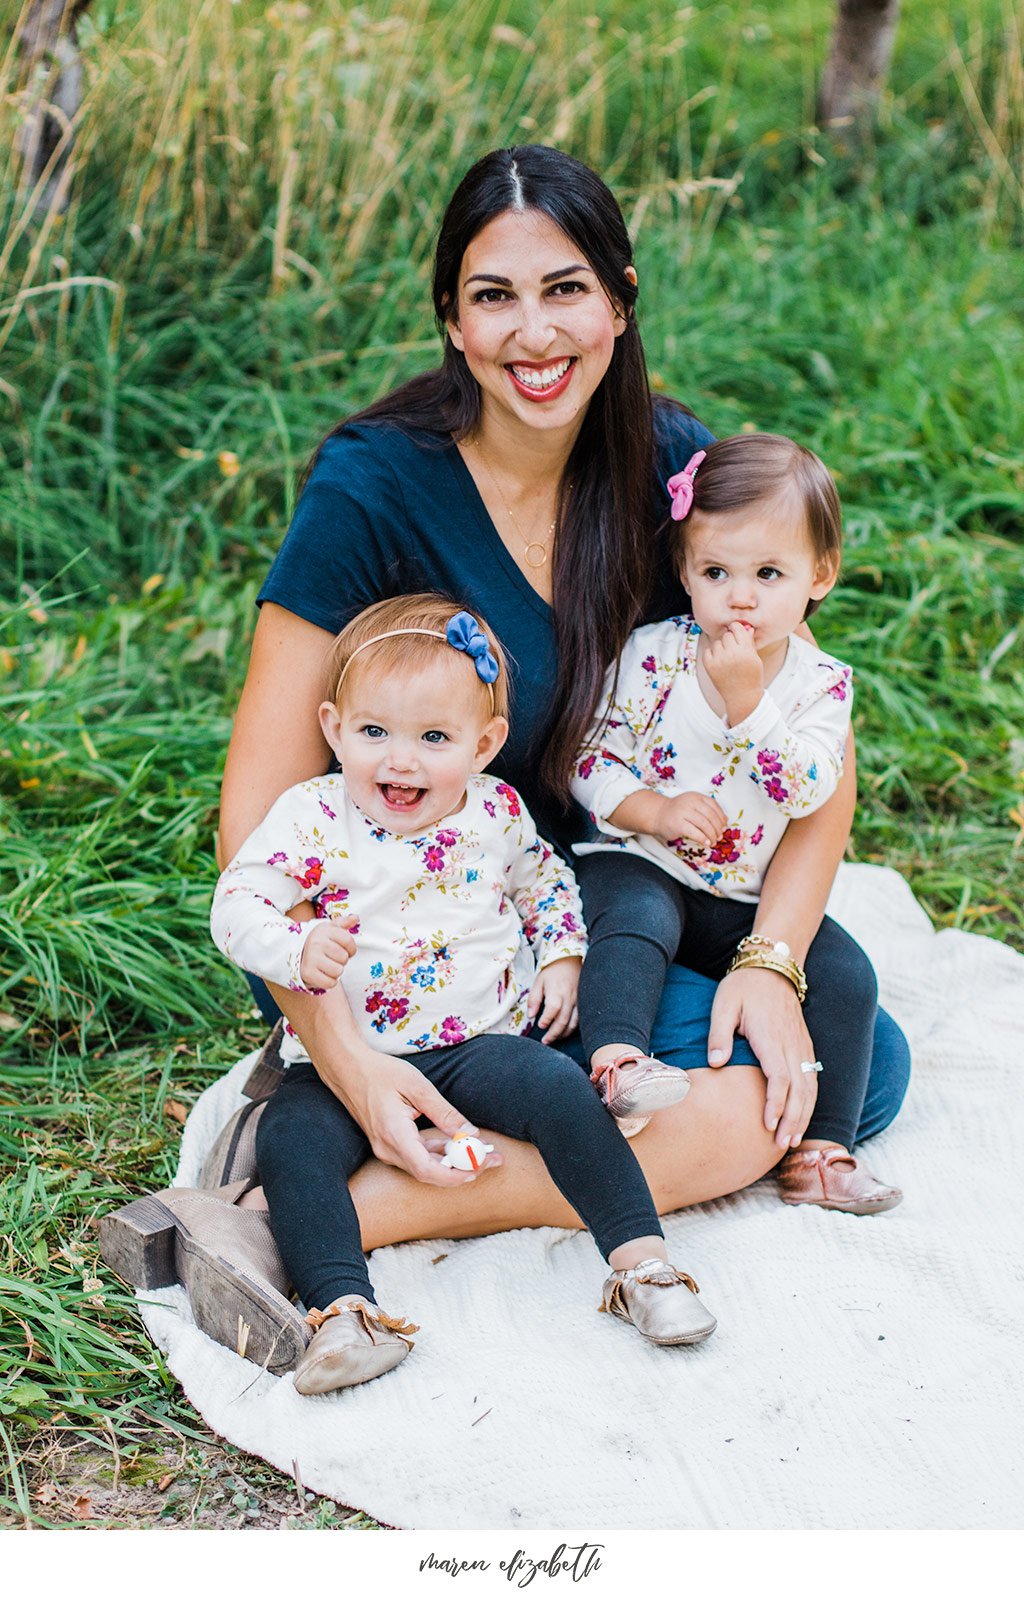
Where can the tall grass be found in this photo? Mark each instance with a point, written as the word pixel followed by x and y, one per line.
pixel 253 193
pixel 243 255
pixel 238 256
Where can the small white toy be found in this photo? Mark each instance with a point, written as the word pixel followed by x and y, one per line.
pixel 465 1153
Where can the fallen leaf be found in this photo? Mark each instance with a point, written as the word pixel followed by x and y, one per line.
pixel 175 1110
pixel 166 1481
pixel 82 1507
pixel 46 1494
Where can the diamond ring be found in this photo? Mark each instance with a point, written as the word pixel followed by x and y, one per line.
pixel 811 1066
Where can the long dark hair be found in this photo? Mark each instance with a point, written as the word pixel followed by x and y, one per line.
pixel 604 542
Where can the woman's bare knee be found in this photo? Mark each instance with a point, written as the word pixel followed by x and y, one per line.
pixel 712 1144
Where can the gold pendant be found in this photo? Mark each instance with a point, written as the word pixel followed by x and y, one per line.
pixel 535 545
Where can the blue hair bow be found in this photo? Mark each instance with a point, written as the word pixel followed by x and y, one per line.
pixel 464 633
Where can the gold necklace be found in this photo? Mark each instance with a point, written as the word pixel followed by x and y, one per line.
pixel 528 544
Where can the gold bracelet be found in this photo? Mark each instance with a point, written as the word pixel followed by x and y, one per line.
pixel 787 969
pixel 773 956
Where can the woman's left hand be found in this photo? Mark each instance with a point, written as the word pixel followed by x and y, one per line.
pixel 763 1007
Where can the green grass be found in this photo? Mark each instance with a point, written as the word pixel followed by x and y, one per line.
pixel 94 1430
pixel 245 259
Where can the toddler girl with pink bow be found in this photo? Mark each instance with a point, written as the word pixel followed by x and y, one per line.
pixel 715 730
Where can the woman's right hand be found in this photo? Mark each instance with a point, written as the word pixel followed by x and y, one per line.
pixel 385 1095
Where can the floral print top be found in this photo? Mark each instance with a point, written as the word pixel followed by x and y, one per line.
pixel 656 730
pixel 452 924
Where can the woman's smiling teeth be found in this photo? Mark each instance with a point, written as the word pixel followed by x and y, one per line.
pixel 541 377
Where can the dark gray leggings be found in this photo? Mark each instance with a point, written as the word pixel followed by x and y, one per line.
pixel 308 1146
pixel 639 919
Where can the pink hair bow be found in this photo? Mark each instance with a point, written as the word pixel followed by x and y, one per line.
pixel 681 486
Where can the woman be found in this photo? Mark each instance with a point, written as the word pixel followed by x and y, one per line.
pixel 525 478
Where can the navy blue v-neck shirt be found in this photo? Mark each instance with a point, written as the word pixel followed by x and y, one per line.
pixel 385 512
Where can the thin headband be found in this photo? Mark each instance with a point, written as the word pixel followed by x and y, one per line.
pixel 462 632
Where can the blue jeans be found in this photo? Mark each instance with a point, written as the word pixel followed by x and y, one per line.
pixel 680 1037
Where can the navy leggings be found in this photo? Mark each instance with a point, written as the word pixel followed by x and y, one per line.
pixel 640 919
pixel 308 1146
pixel 681 1037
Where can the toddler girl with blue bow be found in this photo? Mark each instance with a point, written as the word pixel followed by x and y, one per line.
pixel 454 931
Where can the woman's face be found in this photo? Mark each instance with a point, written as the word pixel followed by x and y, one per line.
pixel 534 322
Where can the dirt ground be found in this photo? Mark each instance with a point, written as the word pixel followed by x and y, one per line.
pixel 75 1483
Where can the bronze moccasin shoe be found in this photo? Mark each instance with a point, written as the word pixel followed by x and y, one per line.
pixel 835 1181
pixel 660 1301
pixel 227 1260
pixel 634 1085
pixel 354 1342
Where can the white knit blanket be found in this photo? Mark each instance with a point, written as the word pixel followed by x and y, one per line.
pixel 866 1372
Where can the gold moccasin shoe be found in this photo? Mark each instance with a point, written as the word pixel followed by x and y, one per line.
pixel 660 1301
pixel 354 1342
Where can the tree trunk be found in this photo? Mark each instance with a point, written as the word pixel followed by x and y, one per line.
pixel 858 61
pixel 48 40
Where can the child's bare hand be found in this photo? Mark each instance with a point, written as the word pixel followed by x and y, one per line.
pixel 553 995
pixel 326 952
pixel 734 667
pixel 691 816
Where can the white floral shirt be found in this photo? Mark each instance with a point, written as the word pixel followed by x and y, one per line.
pixel 452 924
pixel 656 730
